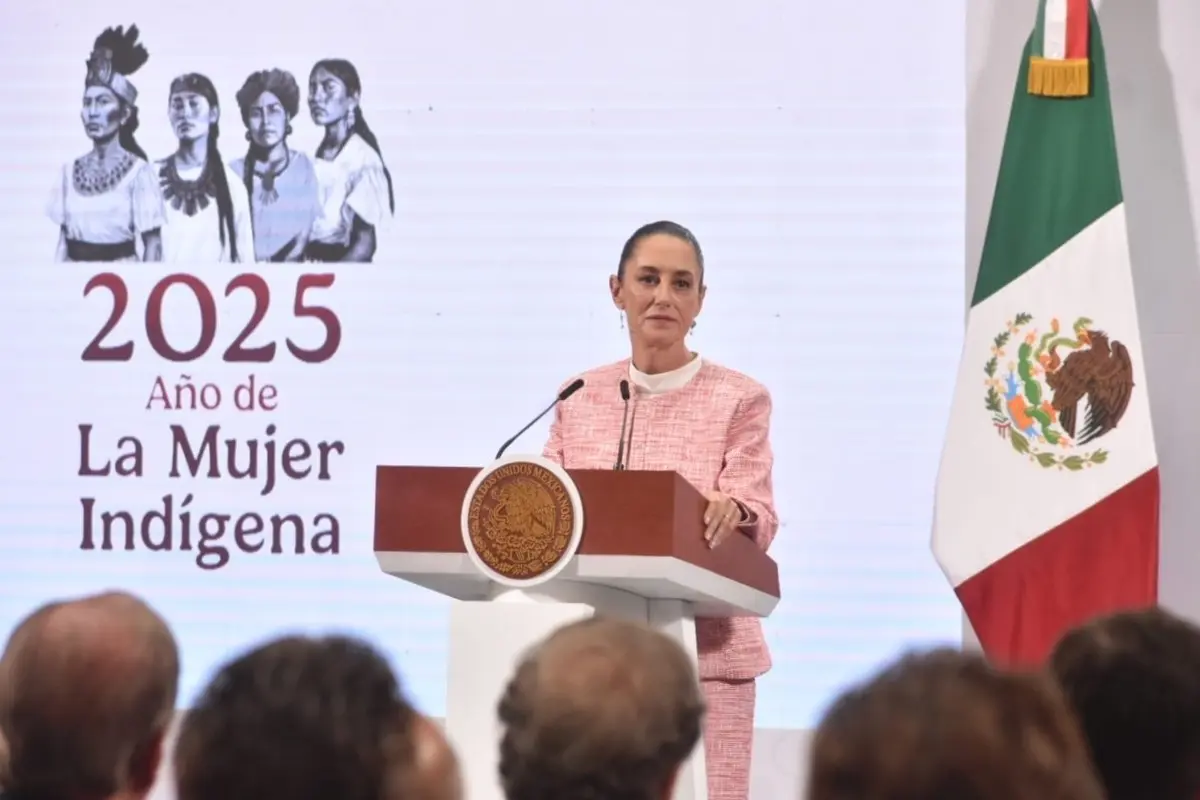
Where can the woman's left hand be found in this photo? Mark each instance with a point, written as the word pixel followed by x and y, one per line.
pixel 722 517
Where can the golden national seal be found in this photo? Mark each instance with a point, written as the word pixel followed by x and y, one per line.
pixel 520 520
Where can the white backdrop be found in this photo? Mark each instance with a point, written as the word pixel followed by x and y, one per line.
pixel 817 154
pixel 1155 78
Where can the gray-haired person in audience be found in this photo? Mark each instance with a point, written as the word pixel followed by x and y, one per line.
pixel 87 694
pixel 311 719
pixel 602 709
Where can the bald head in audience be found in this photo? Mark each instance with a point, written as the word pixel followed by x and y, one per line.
pixel 944 725
pixel 1133 679
pixel 87 694
pixel 311 719
pixel 602 709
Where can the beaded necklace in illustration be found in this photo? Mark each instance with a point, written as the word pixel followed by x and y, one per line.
pixel 91 176
pixel 269 194
pixel 190 197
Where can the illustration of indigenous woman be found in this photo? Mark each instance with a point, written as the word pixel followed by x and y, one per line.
pixel 281 182
pixel 356 187
pixel 107 200
pixel 207 210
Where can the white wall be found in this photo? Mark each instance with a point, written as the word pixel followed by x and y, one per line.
pixel 1155 91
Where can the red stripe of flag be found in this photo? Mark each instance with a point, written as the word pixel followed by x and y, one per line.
pixel 1103 559
pixel 1077 28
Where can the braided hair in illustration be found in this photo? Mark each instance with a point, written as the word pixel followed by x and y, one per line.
pixel 201 85
pixel 283 85
pixel 345 72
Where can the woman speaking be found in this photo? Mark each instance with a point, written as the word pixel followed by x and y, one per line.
pixel 709 424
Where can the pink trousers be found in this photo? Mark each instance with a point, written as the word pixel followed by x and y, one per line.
pixel 728 731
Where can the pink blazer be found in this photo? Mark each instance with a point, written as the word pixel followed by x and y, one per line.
pixel 714 432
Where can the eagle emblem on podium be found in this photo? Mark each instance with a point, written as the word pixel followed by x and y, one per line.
pixel 520 521
pixel 1055 393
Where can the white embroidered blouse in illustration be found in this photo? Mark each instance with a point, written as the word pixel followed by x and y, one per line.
pixel 192 233
pixel 352 183
pixel 107 214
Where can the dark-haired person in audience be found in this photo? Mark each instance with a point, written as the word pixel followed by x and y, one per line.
pixel 208 213
pixel 944 725
pixel 87 694
pixel 602 709
pixel 281 182
pixel 310 719
pixel 1133 679
pixel 356 187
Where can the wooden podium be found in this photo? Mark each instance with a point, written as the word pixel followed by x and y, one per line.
pixel 642 556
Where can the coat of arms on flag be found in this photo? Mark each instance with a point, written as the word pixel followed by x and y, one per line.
pixel 1058 391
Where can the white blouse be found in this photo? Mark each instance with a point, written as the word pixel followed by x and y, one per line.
pixel 131 208
pixel 352 183
pixel 196 238
pixel 664 381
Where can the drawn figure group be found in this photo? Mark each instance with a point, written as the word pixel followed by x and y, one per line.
pixel 272 204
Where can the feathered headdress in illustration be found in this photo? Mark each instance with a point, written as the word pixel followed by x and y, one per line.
pixel 116 55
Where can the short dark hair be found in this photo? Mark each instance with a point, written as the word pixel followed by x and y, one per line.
pixel 1133 679
pixel 297 719
pixel 602 708
pixel 944 725
pixel 661 228
pixel 87 693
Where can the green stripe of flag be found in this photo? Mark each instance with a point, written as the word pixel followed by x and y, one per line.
pixel 1058 174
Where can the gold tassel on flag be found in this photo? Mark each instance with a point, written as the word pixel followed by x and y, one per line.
pixel 1060 48
pixel 1059 77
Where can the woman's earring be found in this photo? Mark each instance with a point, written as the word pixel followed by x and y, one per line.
pixel 621 314
pixel 693 328
pixel 248 136
pixel 287 130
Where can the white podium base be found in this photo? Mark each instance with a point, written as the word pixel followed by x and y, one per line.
pixel 487 640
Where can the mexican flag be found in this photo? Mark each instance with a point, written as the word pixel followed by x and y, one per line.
pixel 1047 497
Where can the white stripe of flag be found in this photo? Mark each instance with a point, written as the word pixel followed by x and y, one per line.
pixel 1054 30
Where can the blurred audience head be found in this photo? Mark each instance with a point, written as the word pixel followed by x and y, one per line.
pixel 944 725
pixel 3 762
pixel 1133 679
pixel 601 709
pixel 87 694
pixel 310 719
